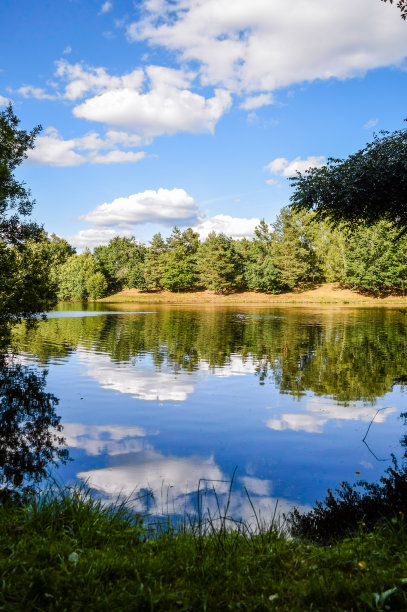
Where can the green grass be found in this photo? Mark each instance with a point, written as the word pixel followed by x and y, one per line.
pixel 66 551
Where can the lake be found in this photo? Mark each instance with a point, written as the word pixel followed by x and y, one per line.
pixel 157 401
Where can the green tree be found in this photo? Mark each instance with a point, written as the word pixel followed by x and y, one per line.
pixel 181 270
pixel 260 270
pixel 330 246
pixel 367 186
pixel 155 263
pixel 74 276
pixel 220 265
pixel 24 272
pixel 294 254
pixel 96 286
pixel 122 262
pixel 375 258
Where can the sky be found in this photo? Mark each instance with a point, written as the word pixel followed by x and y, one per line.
pixel 192 113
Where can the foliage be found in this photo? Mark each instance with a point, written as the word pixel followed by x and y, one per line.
pixel 14 196
pixel 26 286
pixel 181 267
pixel 295 257
pixel 341 514
pixel 121 262
pixel 366 187
pixel 74 276
pixel 155 263
pixel 68 551
pixel 96 286
pixel 219 263
pixel 375 258
pixel 260 270
pixel 25 272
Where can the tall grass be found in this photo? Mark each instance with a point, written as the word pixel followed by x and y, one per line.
pixel 66 550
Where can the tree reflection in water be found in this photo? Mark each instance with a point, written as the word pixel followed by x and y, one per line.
pixel 30 430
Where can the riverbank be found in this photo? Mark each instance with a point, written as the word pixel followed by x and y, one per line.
pixel 72 553
pixel 328 293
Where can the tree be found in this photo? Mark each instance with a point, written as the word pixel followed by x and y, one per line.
pixel 219 264
pixel 260 269
pixel 375 259
pixel 294 253
pixel 402 5
pixel 79 279
pixel 367 186
pixel 181 267
pixel 14 196
pixel 155 262
pixel 24 271
pixel 121 262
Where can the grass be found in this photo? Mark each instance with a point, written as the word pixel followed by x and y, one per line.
pixel 66 551
pixel 328 293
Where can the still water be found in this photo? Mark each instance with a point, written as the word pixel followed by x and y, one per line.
pixel 163 399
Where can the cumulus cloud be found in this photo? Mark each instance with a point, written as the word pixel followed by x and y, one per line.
pixel 283 167
pixel 4 101
pixel 51 149
pixel 96 236
pixel 253 102
pixel 166 206
pixel 263 45
pixel 236 227
pixel 169 106
pixel 83 79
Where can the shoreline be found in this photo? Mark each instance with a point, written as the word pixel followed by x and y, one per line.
pixel 327 294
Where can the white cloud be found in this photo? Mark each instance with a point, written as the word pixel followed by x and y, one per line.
pixel 168 107
pixel 106 7
pixel 320 411
pixel 257 101
pixel 84 79
pixel 116 157
pixel 283 167
pixel 166 206
pixel 4 101
pixel 28 91
pixel 151 470
pixel 263 45
pixel 236 227
pixel 371 124
pixel 110 439
pixel 96 236
pixel 67 50
pixel 51 149
pixel 272 181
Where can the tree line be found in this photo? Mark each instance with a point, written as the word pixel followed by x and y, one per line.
pixel 296 251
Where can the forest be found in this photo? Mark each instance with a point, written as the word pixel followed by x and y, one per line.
pixel 295 251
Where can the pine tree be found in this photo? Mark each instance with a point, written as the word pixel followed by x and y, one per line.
pixel 181 266
pixel 219 263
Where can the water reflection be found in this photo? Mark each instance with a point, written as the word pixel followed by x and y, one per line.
pixel 30 430
pixel 349 355
pixel 176 395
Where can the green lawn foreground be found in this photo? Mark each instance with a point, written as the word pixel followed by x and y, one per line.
pixel 67 551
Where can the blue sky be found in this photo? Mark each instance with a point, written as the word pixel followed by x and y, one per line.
pixel 192 112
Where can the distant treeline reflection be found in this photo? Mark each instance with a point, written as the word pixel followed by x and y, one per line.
pixel 355 354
